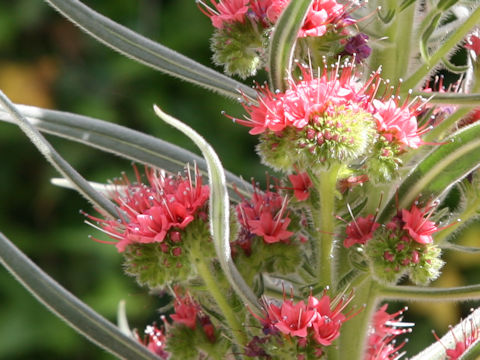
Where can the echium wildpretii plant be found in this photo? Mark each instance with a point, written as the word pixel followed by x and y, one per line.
pixel 365 143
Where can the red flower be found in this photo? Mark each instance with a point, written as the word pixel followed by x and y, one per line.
pixel 384 328
pixel 150 212
pixel 397 124
pixel 186 311
pixel 265 215
pixel 225 11
pixel 292 319
pixel 305 101
pixel 473 42
pixel 470 336
pixel 360 230
pixel 271 229
pixel 275 9
pixel 321 14
pixel 155 341
pixel 301 183
pixel 418 226
pixel 327 324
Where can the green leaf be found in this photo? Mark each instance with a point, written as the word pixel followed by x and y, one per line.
pixel 219 210
pixel 67 307
pixel 460 248
pixel 119 140
pixel 426 36
pixel 438 171
pixel 146 51
pixel 405 4
pixel 282 42
pixel 450 98
pixel 98 200
pixel 456 69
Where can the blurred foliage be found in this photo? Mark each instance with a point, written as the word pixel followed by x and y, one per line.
pixel 48 62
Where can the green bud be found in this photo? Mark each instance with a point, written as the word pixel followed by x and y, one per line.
pixel 158 264
pixel 239 49
pixel 383 162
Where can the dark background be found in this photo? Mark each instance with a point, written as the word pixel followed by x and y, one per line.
pixel 48 62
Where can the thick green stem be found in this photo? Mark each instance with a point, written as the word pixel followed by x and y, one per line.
pixel 205 272
pixel 324 221
pixel 464 293
pixel 445 49
pixel 354 332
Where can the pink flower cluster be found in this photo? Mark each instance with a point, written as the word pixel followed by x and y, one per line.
pixel 412 225
pixel 384 328
pixel 265 215
pixel 149 212
pixel 155 340
pixel 325 95
pixel 266 13
pixel 188 313
pixel 316 320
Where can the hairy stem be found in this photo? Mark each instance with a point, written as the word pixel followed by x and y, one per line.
pixel 218 294
pixel 459 293
pixel 324 221
pixel 355 331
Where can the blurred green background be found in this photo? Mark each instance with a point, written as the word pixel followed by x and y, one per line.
pixel 46 61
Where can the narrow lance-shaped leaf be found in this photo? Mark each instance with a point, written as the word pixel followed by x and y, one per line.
pixel 63 167
pixel 465 328
pixel 146 51
pixel 438 171
pixel 219 210
pixel 119 140
pixel 283 40
pixel 67 307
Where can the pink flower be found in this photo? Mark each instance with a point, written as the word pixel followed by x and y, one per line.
pixel 301 183
pixel 418 226
pixel 384 328
pixel 327 324
pixel 265 215
pixel 271 229
pixel 155 341
pixel 186 311
pixel 360 230
pixel 351 181
pixel 225 11
pixel 397 124
pixel 473 42
pixel 275 9
pixel 306 100
pixel 292 319
pixel 322 13
pixel 463 344
pixel 150 212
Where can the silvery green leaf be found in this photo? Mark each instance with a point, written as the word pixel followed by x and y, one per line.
pixel 119 140
pixel 283 39
pixel 69 308
pixel 219 207
pixel 146 51
pixel 63 167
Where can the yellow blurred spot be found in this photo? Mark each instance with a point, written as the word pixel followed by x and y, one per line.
pixel 441 313
pixel 31 83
